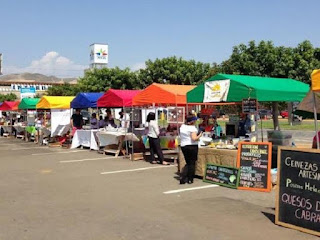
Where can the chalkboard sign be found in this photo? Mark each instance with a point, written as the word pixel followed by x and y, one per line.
pixel 298 198
pixel 222 175
pixel 249 105
pixel 254 162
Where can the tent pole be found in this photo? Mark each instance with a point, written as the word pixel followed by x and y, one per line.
pixel 315 118
pixel 261 128
pixel 132 150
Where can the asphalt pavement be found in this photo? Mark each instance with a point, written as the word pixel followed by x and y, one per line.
pixel 53 193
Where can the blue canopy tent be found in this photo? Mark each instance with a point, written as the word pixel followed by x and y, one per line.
pixel 86 100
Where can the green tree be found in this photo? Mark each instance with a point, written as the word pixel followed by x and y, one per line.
pixel 8 97
pixel 100 80
pixel 65 89
pixel 265 59
pixel 173 70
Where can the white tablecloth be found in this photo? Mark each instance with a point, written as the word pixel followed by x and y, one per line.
pixel 7 129
pixel 46 131
pixel 85 138
pixel 61 130
pixel 19 129
pixel 112 137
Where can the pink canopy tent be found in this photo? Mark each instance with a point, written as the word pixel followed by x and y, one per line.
pixel 117 98
pixel 9 106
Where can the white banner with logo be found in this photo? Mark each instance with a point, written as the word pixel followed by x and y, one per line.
pixel 27 92
pixel 60 121
pixel 99 53
pixel 216 91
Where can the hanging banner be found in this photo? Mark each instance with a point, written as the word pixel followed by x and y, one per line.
pixel 249 106
pixel 216 91
pixel 315 80
pixel 60 121
pixel 27 92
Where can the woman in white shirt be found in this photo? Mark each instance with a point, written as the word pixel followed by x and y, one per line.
pixel 154 141
pixel 189 145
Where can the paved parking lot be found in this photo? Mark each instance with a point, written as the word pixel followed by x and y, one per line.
pixel 54 193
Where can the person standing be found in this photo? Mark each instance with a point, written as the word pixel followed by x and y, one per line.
pixel 76 121
pixel 39 123
pixel 154 141
pixel 189 145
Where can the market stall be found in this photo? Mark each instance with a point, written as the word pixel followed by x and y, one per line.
pixel 28 107
pixel 225 88
pixel 85 137
pixel 112 138
pixel 173 99
pixel 9 107
pixel 60 114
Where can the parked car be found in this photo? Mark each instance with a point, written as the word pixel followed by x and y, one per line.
pixel 284 114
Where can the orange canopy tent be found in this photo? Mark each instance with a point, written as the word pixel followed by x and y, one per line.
pixel 162 94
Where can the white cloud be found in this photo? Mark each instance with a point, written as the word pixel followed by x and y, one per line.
pixel 52 63
pixel 138 66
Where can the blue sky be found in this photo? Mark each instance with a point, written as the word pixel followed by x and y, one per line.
pixel 35 34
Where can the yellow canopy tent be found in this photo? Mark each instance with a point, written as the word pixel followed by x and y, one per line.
pixel 315 85
pixel 54 102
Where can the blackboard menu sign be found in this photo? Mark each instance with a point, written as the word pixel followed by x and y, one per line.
pixel 249 105
pixel 254 162
pixel 298 198
pixel 222 175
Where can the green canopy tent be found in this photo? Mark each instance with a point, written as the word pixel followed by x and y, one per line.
pixel 264 89
pixel 234 88
pixel 28 103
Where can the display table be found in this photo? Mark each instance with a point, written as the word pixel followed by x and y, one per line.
pixel 85 138
pixel 45 132
pixel 7 130
pixel 115 139
pixel 206 155
pixel 19 129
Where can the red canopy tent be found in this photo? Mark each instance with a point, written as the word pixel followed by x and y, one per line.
pixel 117 98
pixel 9 106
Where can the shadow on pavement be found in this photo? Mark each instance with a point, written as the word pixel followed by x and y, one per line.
pixel 270 216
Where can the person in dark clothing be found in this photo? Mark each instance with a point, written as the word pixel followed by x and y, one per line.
pixel 154 140
pixel 77 120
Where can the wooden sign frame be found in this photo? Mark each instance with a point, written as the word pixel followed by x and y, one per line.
pixel 222 184
pixel 257 105
pixel 288 225
pixel 268 189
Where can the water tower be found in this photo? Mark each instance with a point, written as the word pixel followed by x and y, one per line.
pixel 99 55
